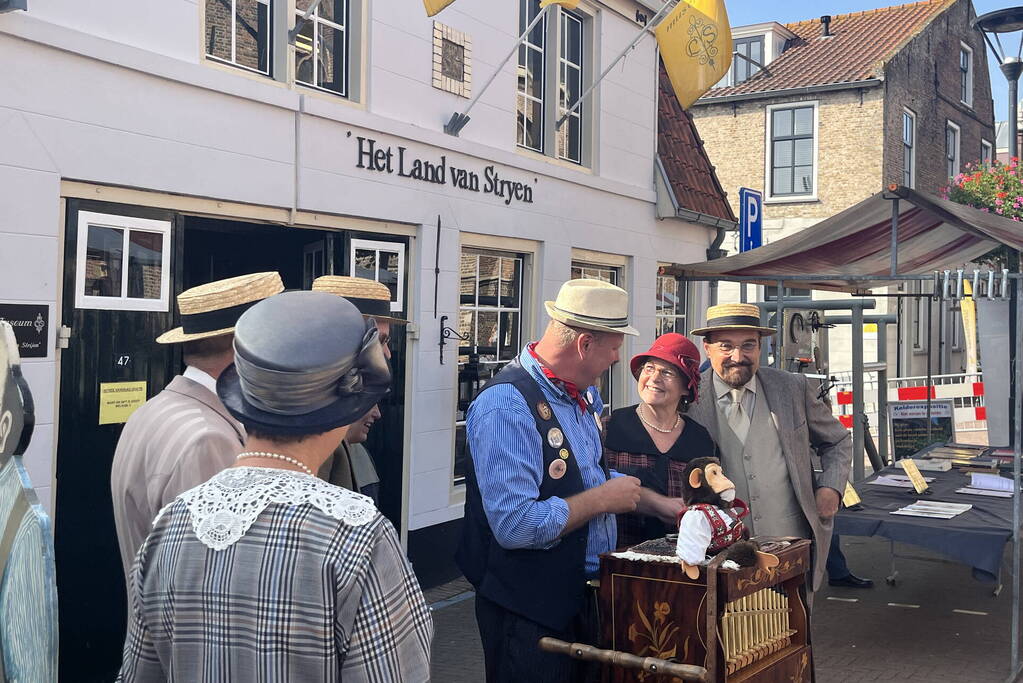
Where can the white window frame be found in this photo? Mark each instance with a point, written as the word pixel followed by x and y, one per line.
pixel 564 18
pixel 957 161
pixel 987 152
pixel 316 21
pixel 770 197
pixel 522 310
pixel 751 70
pixel 551 105
pixel 595 270
pixel 968 75
pixel 127 224
pixel 398 305
pixel 682 301
pixel 907 113
pixel 234 40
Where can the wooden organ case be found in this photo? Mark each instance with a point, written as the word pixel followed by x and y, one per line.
pixel 755 619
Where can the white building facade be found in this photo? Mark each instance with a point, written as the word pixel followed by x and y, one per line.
pixel 147 147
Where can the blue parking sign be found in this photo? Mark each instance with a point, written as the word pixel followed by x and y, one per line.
pixel 751 219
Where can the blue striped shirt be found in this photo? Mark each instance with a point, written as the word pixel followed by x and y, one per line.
pixel 508 455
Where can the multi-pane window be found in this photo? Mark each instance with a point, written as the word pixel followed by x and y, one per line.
pixel 951 148
pixel 489 319
pixel 383 262
pixel 321 46
pixel 748 47
pixel 532 81
pixel 672 296
pixel 123 263
pixel 908 149
pixel 238 32
pixel 792 151
pixel 987 152
pixel 919 314
pixel 552 69
pixel 966 75
pixel 612 275
pixel 570 80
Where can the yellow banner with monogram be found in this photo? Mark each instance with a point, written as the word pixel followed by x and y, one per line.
pixel 696 46
pixel 567 4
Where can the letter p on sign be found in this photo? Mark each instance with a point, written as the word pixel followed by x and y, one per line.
pixel 751 219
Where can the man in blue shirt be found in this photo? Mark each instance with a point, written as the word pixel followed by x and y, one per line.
pixel 540 503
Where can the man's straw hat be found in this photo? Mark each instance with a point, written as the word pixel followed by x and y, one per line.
pixel 743 317
pixel 372 298
pixel 212 309
pixel 592 305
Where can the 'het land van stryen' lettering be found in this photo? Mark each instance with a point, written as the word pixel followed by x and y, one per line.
pixel 397 161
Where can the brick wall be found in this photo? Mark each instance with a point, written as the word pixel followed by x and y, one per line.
pixel 925 78
pixel 849 155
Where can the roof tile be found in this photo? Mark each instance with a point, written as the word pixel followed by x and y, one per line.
pixel 690 173
pixel 856 51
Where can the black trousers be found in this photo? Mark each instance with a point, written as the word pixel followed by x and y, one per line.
pixel 511 652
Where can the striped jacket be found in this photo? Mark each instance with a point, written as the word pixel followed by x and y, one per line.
pixel 180 438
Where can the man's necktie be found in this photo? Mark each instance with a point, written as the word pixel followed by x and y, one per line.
pixel 738 420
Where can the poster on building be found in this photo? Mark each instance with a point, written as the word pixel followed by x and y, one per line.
pixel 118 400
pixel 31 324
pixel 909 425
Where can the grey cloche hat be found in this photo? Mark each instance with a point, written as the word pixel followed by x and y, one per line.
pixel 305 363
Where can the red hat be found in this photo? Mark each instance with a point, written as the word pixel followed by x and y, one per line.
pixel 676 349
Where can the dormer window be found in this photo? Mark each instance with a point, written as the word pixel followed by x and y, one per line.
pixel 753 48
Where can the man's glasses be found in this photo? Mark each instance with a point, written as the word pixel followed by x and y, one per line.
pixel 727 348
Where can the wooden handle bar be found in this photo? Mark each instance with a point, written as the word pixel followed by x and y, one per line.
pixel 651 665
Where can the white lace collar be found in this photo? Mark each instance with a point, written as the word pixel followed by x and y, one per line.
pixel 223 508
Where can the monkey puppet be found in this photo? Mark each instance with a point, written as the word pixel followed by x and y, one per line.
pixel 711 522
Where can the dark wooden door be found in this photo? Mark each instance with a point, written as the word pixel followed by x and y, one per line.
pixel 105 346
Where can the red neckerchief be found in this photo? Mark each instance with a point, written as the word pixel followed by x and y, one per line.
pixel 569 387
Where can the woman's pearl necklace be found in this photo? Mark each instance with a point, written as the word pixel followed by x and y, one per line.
pixel 678 419
pixel 276 456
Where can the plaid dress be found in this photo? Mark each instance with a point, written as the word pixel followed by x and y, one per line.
pixel 270 575
pixel 629 449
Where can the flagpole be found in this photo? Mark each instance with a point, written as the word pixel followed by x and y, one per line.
pixel 458 120
pixel 635 41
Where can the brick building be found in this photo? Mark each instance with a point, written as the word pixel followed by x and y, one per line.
pixel 844 106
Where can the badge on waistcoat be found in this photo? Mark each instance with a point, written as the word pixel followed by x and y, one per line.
pixel 563 454
pixel 557 469
pixel 555 437
pixel 544 410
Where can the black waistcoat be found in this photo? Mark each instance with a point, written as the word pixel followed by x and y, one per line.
pixel 545 586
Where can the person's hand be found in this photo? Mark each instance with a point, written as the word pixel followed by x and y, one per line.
pixel 668 510
pixel 620 494
pixel 827 502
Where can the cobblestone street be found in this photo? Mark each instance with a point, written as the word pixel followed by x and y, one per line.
pixel 936 625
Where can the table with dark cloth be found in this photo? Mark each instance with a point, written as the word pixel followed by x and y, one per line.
pixel 976 538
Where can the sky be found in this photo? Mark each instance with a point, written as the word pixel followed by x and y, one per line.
pixel 741 12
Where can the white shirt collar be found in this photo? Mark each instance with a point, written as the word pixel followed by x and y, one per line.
pixel 200 377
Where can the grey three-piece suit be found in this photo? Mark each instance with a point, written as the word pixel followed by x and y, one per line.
pixel 789 425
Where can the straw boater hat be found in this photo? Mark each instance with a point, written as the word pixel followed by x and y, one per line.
pixel 212 309
pixel 372 298
pixel 592 305
pixel 734 317
pixel 304 363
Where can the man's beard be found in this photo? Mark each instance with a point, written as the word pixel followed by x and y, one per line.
pixel 737 375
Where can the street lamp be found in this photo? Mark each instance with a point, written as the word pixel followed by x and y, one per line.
pixel 1008 20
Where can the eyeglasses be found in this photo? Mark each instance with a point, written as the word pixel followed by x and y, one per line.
pixel 667 374
pixel 727 348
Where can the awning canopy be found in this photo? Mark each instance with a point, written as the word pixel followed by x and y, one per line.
pixel 851 251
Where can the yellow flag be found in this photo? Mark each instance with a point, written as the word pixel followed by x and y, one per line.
pixel 968 311
pixel 434 6
pixel 696 46
pixel 567 4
